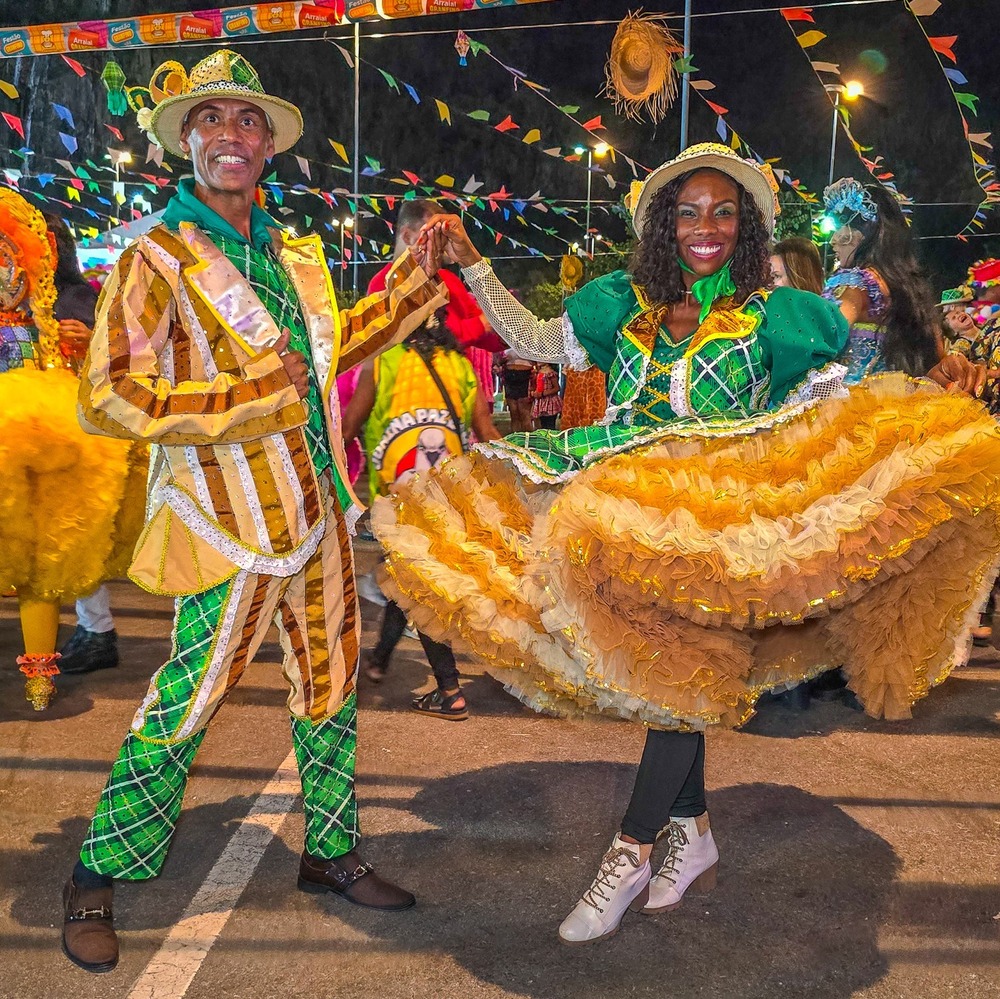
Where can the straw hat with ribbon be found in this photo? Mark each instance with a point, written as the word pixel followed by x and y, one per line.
pixel 757 179
pixel 173 93
pixel 640 70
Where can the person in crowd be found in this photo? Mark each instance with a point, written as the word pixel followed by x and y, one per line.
pixel 546 401
pixel 94 642
pixel 728 530
pixel 218 341
pixel 984 282
pixel 516 374
pixel 796 263
pixel 956 315
pixel 418 403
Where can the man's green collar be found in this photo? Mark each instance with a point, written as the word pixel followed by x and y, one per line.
pixel 185 206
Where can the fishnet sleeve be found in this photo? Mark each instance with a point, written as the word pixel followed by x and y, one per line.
pixel 534 339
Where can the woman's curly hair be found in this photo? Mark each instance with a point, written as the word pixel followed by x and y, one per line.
pixel 655 267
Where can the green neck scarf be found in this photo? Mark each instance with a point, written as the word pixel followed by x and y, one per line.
pixel 708 290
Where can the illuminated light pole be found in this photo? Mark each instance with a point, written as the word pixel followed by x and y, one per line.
pixel 850 91
pixel 347 223
pixel 600 151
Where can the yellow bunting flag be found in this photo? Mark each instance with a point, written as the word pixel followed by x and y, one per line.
pixel 445 181
pixel 339 149
pixel 9 89
pixel 443 110
pixel 533 136
pixel 810 38
pixel 72 193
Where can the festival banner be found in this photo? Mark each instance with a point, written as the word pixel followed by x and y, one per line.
pixel 221 23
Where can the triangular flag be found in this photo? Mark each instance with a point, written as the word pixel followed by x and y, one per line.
pixel 826 67
pixel 594 125
pixel 9 90
pixel 338 148
pixel 507 125
pixel 74 65
pixel 956 77
pixel 924 8
pixel 65 114
pixel 115 132
pixel 720 127
pixel 72 193
pixel 943 44
pixel 479 115
pixel 411 177
pixel 569 108
pixel 810 38
pixel 346 55
pixel 443 110
pixel 472 185
pixel 69 141
pixel 412 93
pixel 554 151
pixel 685 64
pixel 304 166
pixel 980 139
pixel 717 108
pixel 445 181
pixel 702 85
pixel 969 100
pixel 391 80
pixel 796 13
pixel 16 124
pixel 533 136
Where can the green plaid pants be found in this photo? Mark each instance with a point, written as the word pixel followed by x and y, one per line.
pixel 131 830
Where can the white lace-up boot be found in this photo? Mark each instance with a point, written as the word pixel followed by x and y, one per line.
pixel 692 861
pixel 621 883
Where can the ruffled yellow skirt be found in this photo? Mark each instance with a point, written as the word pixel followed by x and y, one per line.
pixel 71 504
pixel 676 582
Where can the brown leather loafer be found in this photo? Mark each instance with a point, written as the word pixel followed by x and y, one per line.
pixel 351 878
pixel 89 938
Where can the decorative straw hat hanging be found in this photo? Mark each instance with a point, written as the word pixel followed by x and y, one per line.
pixel 640 69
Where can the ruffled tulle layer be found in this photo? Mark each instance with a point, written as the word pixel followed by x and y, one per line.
pixel 71 504
pixel 678 581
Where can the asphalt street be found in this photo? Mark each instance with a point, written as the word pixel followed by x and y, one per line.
pixel 859 858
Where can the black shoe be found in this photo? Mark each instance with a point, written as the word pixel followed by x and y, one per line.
pixel 87 651
pixel 351 878
pixel 89 938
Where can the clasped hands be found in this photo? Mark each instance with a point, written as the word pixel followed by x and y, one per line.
pixel 443 238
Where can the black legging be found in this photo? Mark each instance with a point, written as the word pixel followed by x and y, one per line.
pixel 440 656
pixel 670 783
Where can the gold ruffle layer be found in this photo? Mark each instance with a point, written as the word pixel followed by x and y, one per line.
pixel 677 582
pixel 71 504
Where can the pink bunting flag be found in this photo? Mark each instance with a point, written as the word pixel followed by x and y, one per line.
pixel 74 65
pixel 411 177
pixel 796 13
pixel 115 132
pixel 943 44
pixel 507 125
pixel 14 122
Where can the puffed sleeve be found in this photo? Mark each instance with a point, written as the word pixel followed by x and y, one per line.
pixel 799 332
pixel 598 311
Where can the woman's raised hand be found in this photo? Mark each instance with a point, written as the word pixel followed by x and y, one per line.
pixel 457 246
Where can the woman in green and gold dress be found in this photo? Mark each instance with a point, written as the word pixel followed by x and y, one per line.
pixel 737 523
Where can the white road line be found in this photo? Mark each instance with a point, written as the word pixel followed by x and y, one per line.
pixel 172 969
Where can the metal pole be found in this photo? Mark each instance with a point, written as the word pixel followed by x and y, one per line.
pixel 357 148
pixel 590 180
pixel 342 267
pixel 833 137
pixel 685 90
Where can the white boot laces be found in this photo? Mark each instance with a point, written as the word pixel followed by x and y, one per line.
pixel 676 841
pixel 609 869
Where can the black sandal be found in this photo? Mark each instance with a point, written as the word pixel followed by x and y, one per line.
pixel 441 704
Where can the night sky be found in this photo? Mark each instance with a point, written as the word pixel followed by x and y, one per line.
pixel 761 75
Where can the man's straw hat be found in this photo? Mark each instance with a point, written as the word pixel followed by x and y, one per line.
pixel 640 70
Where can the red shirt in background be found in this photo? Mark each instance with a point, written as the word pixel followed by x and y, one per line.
pixel 462 316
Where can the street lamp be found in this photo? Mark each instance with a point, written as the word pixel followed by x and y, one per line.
pixel 600 151
pixel 348 223
pixel 850 91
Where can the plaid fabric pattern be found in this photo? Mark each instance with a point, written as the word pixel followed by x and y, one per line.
pixel 276 292
pixel 325 755
pixel 18 347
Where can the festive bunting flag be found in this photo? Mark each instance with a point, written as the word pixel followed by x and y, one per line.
pixel 685 64
pixel 347 55
pixel 702 85
pixel 796 13
pixel 479 115
pixel 717 108
pixel 969 101
pixel 69 141
pixel 443 110
pixel 533 136
pixel 720 127
pixel 569 108
pixel 956 77
pixel 472 185
pixel 810 38
pixel 9 90
pixel 412 93
pixel 943 45
pixel 15 123
pixel 339 149
pixel 65 114
pixel 411 177
pixel 594 125
pixel 980 139
pixel 826 67
pixel 924 8
pixel 115 132
pixel 507 125
pixel 74 65
pixel 304 166
pixel 445 181
pixel 390 79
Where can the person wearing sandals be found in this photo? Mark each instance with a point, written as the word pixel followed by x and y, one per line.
pixel 416 404
pixel 737 523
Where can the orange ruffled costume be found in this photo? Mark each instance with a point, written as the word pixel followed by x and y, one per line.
pixel 676 582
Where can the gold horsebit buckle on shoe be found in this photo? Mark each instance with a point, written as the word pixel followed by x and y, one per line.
pixel 102 913
pixel 347 878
